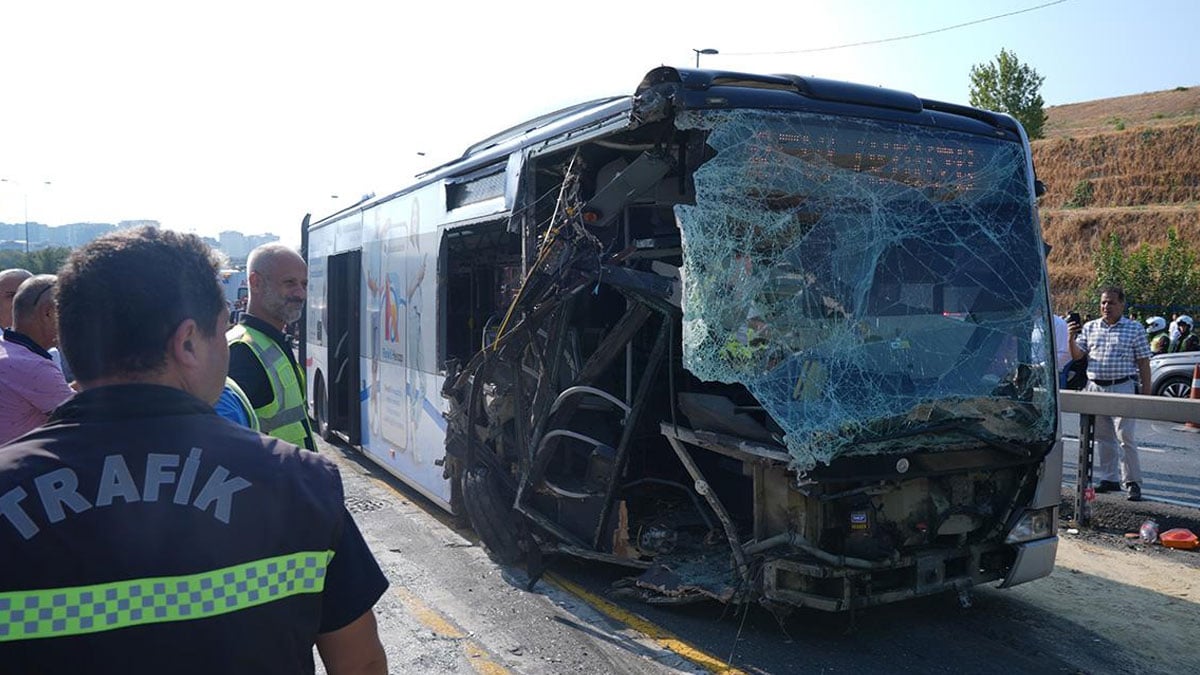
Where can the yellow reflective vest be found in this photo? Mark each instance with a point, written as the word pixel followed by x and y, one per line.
pixel 285 417
pixel 247 407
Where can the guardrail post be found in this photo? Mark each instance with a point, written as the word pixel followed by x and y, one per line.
pixel 1083 479
pixel 1089 404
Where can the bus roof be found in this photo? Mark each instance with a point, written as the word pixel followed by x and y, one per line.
pixel 536 123
pixel 695 86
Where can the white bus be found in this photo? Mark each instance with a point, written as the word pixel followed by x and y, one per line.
pixel 757 338
pixel 233 285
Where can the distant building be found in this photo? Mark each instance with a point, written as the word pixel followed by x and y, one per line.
pixel 78 234
pixel 255 240
pixel 128 224
pixel 233 243
pixel 39 235
pixel 43 236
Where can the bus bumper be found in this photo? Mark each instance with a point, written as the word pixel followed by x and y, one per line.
pixel 1035 559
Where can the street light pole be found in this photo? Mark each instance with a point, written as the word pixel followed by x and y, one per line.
pixel 25 205
pixel 703 51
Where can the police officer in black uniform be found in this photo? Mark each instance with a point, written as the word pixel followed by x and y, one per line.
pixel 142 533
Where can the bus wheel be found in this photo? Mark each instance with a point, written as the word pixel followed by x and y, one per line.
pixel 491 514
pixel 322 409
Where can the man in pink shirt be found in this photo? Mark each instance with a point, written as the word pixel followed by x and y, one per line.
pixel 30 384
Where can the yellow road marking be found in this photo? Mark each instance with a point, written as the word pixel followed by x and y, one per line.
pixel 429 616
pixel 658 634
pixel 432 619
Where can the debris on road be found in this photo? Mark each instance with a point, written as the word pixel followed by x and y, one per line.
pixel 1181 538
pixel 1149 531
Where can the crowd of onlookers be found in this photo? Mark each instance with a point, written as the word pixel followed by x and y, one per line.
pixel 1176 336
pixel 35 378
pixel 236 310
pixel 205 546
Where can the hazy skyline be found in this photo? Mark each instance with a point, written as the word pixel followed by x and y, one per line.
pixel 246 115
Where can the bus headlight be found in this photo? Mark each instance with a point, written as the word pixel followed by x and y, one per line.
pixel 1034 524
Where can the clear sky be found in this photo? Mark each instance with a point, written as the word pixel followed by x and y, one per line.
pixel 246 114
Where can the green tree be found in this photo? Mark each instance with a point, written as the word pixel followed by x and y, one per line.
pixel 1176 281
pixel 1140 276
pixel 1109 261
pixel 41 261
pixel 1007 85
pixel 1159 278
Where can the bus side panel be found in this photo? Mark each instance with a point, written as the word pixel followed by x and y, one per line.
pixel 320 245
pixel 402 422
pixel 427 425
pixel 371 314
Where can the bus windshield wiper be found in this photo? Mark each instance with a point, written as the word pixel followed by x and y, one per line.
pixel 965 425
pixel 931 427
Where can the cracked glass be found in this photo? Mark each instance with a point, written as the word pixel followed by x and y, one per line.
pixel 878 287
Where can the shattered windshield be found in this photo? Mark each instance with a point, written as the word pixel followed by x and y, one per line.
pixel 878 287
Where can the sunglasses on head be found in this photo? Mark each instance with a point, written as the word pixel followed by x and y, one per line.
pixel 42 292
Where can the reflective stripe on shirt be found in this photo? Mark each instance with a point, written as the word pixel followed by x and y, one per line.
pixel 58 612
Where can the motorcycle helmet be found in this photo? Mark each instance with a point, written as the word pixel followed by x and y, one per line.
pixel 1155 324
pixel 1185 319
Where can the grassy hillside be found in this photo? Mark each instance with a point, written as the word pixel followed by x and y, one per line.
pixel 1127 165
pixel 1109 114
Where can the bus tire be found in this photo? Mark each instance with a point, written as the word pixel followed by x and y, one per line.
pixel 491 514
pixel 322 409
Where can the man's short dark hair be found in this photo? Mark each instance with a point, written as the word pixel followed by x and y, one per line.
pixel 1114 290
pixel 122 296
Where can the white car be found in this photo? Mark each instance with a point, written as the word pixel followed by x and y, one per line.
pixel 1171 374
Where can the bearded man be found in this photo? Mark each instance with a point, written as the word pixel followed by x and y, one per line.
pixel 261 358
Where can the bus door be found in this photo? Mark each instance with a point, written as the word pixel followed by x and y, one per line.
pixel 342 299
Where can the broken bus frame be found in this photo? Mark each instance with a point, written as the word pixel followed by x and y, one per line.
pixel 758 338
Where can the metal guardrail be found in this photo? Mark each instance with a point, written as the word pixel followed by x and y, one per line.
pixel 1090 404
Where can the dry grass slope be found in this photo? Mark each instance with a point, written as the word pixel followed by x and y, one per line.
pixel 1137 182
pixel 1105 114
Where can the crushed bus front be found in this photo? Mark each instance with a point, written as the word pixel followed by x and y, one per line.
pixel 766 339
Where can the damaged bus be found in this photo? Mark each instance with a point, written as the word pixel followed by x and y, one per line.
pixel 755 338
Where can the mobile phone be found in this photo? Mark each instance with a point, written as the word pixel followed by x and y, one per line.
pixel 1073 317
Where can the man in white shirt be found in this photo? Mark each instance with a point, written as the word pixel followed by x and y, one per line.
pixel 1062 347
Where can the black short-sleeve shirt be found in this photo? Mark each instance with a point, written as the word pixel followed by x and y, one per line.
pixel 142 533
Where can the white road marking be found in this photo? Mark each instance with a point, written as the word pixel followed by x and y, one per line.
pixel 1146 448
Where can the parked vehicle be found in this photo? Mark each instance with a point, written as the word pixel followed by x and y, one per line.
pixel 1171 374
pixel 233 285
pixel 760 338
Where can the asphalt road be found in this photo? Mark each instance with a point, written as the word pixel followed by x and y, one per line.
pixel 450 609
